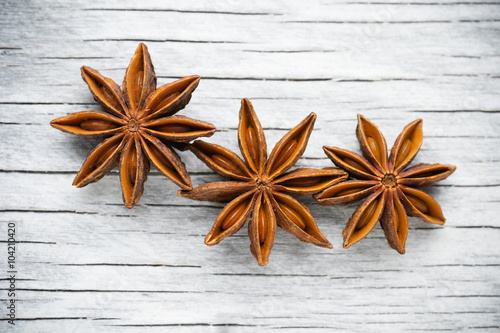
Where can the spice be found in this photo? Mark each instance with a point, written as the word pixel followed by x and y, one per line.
pixel 258 184
pixel 389 189
pixel 139 125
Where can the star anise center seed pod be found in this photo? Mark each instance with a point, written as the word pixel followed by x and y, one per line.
pixel 258 184
pixel 389 191
pixel 140 126
pixel 389 180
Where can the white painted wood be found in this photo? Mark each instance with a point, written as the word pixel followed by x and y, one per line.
pixel 88 264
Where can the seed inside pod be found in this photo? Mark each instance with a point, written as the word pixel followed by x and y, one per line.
pixel 302 182
pixel 293 216
pixel 262 226
pixel 374 148
pixel 367 215
pixel 173 128
pixel 103 156
pixel 418 203
pixel 139 77
pixel 132 166
pixel 166 100
pixel 252 143
pixel 349 191
pixel 403 152
pixel 109 97
pixel 233 216
pixel 97 125
pixel 396 218
pixel 355 164
pixel 285 153
pixel 227 164
pixel 159 158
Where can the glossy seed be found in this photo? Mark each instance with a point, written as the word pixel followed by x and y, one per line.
pixel 374 148
pixel 355 165
pixel 233 216
pixel 173 128
pixel 159 158
pixel 139 77
pixel 103 156
pixel 108 97
pixel 348 191
pixel 132 166
pixel 293 216
pixel 302 182
pixel 433 173
pixel 285 153
pixel 96 125
pixel 423 175
pixel 252 144
pixel 166 100
pixel 418 203
pixel 367 215
pixel 396 217
pixel 262 225
pixel 404 150
pixel 226 163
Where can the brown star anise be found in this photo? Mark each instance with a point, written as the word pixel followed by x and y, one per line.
pixel 390 190
pixel 140 125
pixel 256 186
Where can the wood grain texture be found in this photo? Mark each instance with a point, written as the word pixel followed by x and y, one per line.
pixel 88 264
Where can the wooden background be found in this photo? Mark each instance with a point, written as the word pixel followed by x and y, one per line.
pixel 87 264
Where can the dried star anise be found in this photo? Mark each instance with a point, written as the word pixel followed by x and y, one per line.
pixel 256 186
pixel 140 125
pixel 390 190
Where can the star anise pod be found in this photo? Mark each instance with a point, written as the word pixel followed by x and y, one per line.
pixel 139 124
pixel 390 190
pixel 258 184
